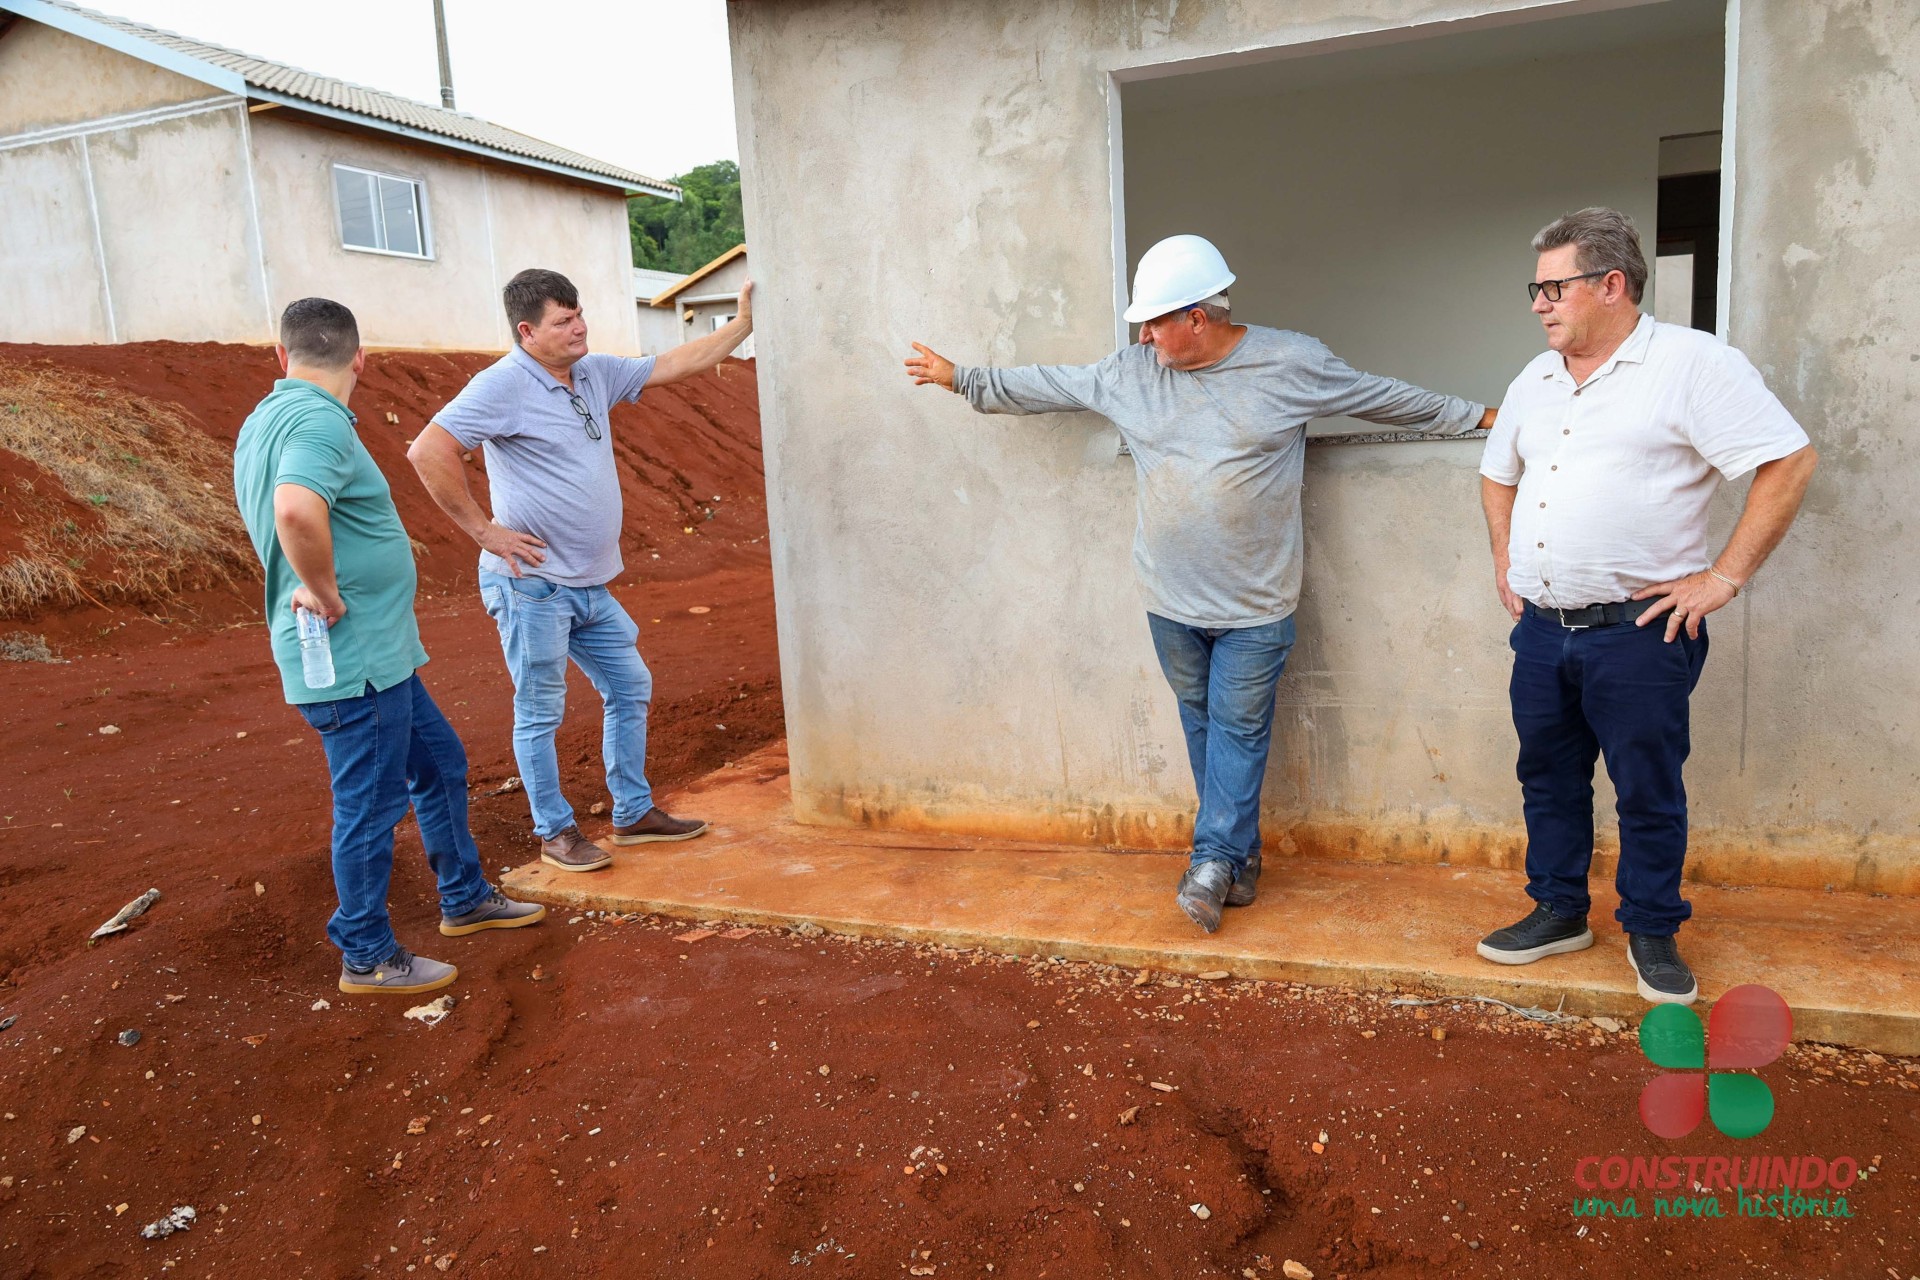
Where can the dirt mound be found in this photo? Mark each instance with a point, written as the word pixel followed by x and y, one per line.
pixel 112 497
pixel 150 427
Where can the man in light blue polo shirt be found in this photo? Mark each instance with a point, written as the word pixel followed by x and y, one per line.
pixel 323 523
pixel 552 543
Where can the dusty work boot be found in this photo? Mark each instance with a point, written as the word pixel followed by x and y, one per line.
pixel 496 911
pixel 1663 976
pixel 571 851
pixel 1246 883
pixel 400 974
pixel 1540 935
pixel 1203 892
pixel 657 824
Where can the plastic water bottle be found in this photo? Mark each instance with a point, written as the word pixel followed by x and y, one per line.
pixel 316 651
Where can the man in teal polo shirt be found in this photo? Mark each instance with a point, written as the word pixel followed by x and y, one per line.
pixel 323 523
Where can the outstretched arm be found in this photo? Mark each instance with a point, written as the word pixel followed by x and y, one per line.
pixel 1391 402
pixel 697 355
pixel 1031 388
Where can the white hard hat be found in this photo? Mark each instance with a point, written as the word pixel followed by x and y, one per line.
pixel 1176 273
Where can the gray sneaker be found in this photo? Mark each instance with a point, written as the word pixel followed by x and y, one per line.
pixel 496 911
pixel 402 974
pixel 1203 892
pixel 1246 884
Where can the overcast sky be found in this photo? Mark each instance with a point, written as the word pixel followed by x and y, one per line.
pixel 643 84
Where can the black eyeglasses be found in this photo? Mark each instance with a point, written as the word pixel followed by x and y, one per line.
pixel 586 414
pixel 1552 288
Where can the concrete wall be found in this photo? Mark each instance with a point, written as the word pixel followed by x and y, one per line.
pixel 203 223
pixel 961 642
pixel 1823 732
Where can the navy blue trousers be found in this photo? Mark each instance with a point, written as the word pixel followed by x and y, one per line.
pixel 1618 692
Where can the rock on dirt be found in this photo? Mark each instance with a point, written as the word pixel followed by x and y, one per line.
pixel 432 1013
pixel 119 921
pixel 179 1220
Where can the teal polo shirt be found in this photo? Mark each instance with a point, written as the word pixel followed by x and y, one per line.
pixel 301 435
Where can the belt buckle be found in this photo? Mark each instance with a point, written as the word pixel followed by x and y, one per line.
pixel 1561 614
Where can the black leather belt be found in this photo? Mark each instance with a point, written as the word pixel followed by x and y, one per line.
pixel 1594 615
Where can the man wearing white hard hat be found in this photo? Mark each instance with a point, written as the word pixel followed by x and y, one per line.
pixel 1215 414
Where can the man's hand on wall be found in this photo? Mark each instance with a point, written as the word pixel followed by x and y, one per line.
pixel 926 366
pixel 1689 599
pixel 512 546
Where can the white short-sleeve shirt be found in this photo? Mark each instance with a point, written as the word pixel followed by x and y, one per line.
pixel 1615 474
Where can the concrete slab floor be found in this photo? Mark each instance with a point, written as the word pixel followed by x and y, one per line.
pixel 1848 964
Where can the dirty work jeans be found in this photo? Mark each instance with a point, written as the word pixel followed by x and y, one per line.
pixel 1621 692
pixel 388 750
pixel 1224 679
pixel 542 624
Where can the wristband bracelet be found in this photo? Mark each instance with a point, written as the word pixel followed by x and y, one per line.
pixel 1724 578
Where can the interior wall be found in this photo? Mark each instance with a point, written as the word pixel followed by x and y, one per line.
pixel 1389 214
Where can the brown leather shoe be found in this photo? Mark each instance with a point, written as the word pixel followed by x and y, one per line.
pixel 571 851
pixel 657 824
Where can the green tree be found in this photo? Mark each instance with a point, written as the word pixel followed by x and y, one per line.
pixel 687 234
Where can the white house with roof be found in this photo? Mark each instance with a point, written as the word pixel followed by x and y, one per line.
pixel 162 187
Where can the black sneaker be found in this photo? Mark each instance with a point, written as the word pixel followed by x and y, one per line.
pixel 1540 935
pixel 1663 976
pixel 1203 892
pixel 1245 884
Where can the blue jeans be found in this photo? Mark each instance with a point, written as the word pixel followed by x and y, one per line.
pixel 1620 692
pixel 385 751
pixel 542 624
pixel 1224 679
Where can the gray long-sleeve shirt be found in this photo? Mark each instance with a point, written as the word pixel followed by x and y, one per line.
pixel 1218 454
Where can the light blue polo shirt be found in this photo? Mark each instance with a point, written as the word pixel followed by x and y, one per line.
pixel 547 475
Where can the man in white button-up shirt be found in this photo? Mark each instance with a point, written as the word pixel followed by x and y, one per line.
pixel 1596 482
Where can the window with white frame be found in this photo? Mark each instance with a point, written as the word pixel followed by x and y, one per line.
pixel 381 213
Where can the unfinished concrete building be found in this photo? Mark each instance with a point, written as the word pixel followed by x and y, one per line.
pixel 961 641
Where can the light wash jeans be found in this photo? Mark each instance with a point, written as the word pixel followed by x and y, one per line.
pixel 1224 679
pixel 385 751
pixel 542 624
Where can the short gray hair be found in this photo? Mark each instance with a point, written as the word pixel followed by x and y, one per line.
pixel 1217 314
pixel 1607 239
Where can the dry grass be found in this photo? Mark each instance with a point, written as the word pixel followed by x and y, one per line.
pixel 24 646
pixel 161 489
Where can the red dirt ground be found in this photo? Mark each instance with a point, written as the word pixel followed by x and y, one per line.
pixel 625 1098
